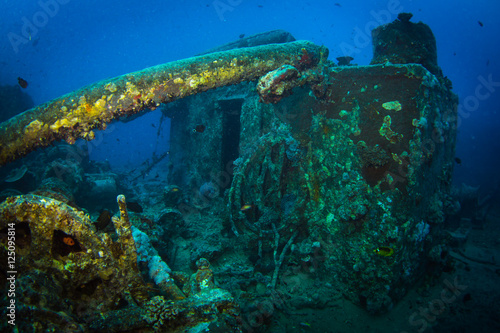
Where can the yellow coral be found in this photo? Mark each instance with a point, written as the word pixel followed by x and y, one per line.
pixel 33 127
pixel 63 123
pixel 392 106
pixel 396 158
pixel 386 131
pixel 99 106
pixel 111 87
pixel 55 126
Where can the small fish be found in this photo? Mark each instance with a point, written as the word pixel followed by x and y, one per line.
pixel 246 207
pixel 242 35
pixel 22 82
pixel 68 241
pixel 345 61
pixel 199 129
pixel 103 220
pixel 458 160
pixel 153 125
pixel 338 5
pixel 480 24
pixel 384 251
pixel 260 6
pixel 134 206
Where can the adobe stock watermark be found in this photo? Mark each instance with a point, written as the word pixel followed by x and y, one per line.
pixel 81 152
pixel 425 316
pixel 223 6
pixel 484 89
pixel 31 26
pixel 362 37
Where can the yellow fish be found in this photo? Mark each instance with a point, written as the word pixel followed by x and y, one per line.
pixel 384 251
pixel 246 207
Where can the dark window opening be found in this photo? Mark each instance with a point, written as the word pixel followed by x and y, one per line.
pixel 231 126
pixel 63 244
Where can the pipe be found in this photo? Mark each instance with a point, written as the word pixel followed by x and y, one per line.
pixel 76 114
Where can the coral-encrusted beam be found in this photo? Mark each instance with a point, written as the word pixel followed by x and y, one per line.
pixel 76 114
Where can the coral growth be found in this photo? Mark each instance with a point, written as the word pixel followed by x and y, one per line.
pixel 75 115
pixel 58 248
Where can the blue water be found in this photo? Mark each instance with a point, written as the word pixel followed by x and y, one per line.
pixel 59 46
